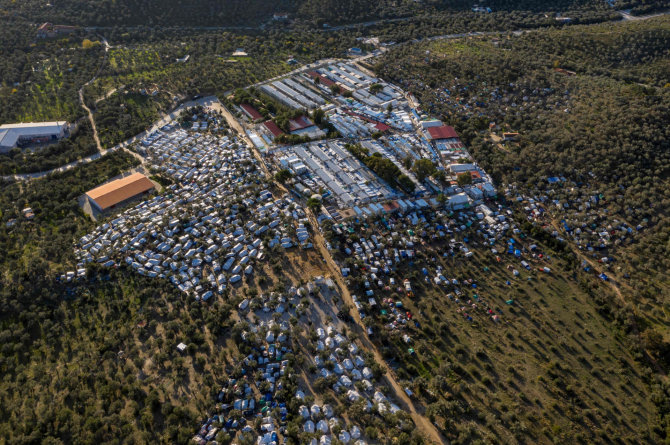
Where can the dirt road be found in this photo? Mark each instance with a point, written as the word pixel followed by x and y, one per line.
pixel 81 96
pixel 90 119
pixel 235 125
pixel 422 423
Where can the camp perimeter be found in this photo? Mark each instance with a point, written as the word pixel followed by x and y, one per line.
pixel 221 216
pixel 370 216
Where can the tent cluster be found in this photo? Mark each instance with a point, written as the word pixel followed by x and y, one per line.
pixel 264 393
pixel 256 393
pixel 205 231
pixel 379 252
pixel 340 363
pixel 321 421
pixel 582 213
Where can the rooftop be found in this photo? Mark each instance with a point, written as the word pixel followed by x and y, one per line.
pixel 114 192
pixel 299 123
pixel 273 128
pixel 32 125
pixel 323 79
pixel 251 111
pixel 443 132
pixel 10 133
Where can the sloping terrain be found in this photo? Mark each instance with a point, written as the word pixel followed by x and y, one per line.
pixel 571 347
pixel 583 113
pixel 108 13
pixel 580 134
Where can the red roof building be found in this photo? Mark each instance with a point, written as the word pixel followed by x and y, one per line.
pixel 120 190
pixel 382 127
pixel 323 79
pixel 251 112
pixel 273 128
pixel 442 132
pixel 299 123
pixel 378 125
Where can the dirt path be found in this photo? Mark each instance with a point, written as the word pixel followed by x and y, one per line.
pixel 422 423
pixel 235 125
pixel 165 119
pixel 615 286
pixel 108 94
pixel 427 429
pixel 83 103
pixel 90 119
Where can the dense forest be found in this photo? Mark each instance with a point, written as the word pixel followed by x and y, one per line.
pixel 39 80
pixel 643 6
pixel 124 115
pixel 106 13
pixel 146 13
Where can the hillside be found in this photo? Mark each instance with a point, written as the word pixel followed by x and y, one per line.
pixel 507 356
pixel 589 164
pixel 583 112
pixel 147 13
pixel 245 14
pixel 538 313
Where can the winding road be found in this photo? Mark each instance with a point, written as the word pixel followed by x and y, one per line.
pixel 208 100
pixel 625 15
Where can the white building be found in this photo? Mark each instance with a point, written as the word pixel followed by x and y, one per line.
pixel 12 135
pixel 431 123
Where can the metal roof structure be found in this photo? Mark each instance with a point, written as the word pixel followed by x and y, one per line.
pixel 114 192
pixel 11 133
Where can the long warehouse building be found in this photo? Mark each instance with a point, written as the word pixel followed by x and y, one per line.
pixel 13 135
pixel 119 191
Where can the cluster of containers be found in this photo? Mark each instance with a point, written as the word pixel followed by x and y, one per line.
pixel 293 93
pixel 330 166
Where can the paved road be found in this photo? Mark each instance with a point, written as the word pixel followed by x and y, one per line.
pixel 165 119
pixel 421 421
pixel 310 67
pixel 367 24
